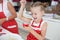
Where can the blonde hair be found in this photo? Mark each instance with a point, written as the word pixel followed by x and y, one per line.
pixel 38 4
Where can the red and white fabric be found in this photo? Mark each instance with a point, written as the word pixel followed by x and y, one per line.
pixel 36 27
pixel 10 25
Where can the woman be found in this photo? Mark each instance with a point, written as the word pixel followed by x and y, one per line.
pixel 7 16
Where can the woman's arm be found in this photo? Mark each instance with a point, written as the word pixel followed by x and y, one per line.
pixel 12 11
pixel 39 36
pixel 23 2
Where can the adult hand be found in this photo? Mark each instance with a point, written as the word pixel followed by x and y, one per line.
pixel 2 20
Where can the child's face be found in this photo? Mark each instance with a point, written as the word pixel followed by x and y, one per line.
pixel 37 13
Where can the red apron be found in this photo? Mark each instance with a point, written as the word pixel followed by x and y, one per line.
pixel 10 25
pixel 31 36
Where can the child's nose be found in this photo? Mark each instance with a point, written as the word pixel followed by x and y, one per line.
pixel 34 16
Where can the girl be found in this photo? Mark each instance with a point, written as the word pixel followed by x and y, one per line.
pixel 37 27
pixel 7 16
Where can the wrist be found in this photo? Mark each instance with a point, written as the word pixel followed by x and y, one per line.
pixel 7 19
pixel 22 6
pixel 31 30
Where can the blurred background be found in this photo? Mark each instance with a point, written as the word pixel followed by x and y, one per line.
pixel 52 6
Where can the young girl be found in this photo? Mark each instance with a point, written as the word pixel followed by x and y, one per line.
pixel 7 16
pixel 37 27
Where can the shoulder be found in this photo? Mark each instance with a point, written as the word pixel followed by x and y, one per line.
pixel 44 25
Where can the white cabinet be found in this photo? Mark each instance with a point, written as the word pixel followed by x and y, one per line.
pixel 53 30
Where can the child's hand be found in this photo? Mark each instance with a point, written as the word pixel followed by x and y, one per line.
pixel 25 25
pixel 28 28
pixel 23 2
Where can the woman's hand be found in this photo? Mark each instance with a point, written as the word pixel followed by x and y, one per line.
pixel 23 3
pixel 2 20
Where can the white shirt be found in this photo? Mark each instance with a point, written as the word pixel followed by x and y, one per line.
pixel 5 8
pixel 0 7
